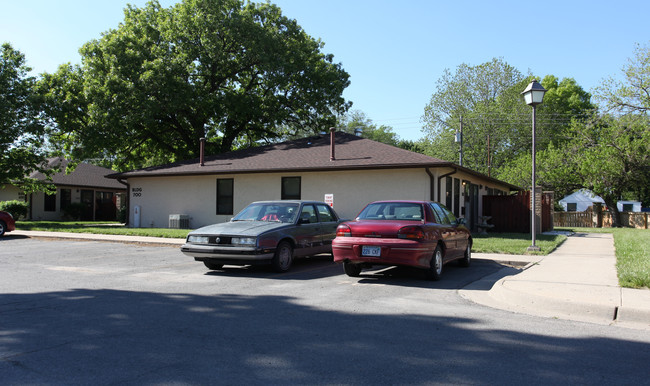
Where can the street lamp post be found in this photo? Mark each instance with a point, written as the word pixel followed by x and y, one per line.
pixel 533 96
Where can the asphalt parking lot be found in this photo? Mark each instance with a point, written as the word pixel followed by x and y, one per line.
pixel 87 312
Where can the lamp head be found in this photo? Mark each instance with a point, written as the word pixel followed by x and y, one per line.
pixel 534 93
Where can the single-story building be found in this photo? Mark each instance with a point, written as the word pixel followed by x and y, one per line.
pixel 629 206
pixel 344 170
pixel 86 184
pixel 580 201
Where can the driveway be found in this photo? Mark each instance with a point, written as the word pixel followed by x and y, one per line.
pixel 92 312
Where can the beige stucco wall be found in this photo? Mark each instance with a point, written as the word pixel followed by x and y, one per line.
pixel 10 193
pixel 158 197
pixel 195 196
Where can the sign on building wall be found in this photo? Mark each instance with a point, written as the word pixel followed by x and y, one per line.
pixel 329 199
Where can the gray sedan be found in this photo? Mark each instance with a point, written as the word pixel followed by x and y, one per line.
pixel 266 232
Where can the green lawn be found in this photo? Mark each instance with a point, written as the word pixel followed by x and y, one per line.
pixel 100 228
pixel 515 243
pixel 632 254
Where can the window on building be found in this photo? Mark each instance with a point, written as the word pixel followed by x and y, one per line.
pixel 225 195
pixel 66 198
pixel 290 188
pixel 628 207
pixel 571 206
pixel 50 203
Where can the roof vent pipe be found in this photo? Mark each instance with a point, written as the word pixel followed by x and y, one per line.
pixel 202 151
pixel 332 157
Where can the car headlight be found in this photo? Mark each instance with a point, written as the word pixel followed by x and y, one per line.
pixel 197 239
pixel 250 241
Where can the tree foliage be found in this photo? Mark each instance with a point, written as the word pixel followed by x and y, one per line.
pixel 632 94
pixel 485 99
pixel 228 70
pixel 608 155
pixel 486 102
pixel 22 148
pixel 356 122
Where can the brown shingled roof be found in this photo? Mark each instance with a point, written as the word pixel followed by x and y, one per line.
pixel 300 155
pixel 84 175
pixel 305 154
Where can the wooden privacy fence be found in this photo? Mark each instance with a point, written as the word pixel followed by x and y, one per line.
pixel 512 213
pixel 589 220
pixel 573 219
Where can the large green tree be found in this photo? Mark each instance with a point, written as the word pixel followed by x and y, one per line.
pixel 22 149
pixel 232 71
pixel 484 100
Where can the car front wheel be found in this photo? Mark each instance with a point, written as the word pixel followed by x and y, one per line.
pixel 283 257
pixel 467 258
pixel 2 228
pixel 350 269
pixel 435 270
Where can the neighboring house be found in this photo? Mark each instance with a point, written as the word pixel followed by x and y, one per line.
pixel 629 206
pixel 86 184
pixel 583 199
pixel 342 169
pixel 580 201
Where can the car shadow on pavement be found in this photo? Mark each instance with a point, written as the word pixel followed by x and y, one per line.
pixel 454 276
pixel 9 236
pixel 307 268
pixel 108 336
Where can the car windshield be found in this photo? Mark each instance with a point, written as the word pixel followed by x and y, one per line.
pixel 276 212
pixel 392 211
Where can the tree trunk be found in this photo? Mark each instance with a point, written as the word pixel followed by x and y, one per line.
pixel 613 210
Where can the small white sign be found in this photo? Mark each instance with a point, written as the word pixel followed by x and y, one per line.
pixel 329 199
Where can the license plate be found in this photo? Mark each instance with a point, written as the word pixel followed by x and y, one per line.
pixel 368 250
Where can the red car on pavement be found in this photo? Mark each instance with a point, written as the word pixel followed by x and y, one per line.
pixel 7 223
pixel 421 234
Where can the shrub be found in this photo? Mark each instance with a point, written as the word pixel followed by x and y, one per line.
pixel 16 208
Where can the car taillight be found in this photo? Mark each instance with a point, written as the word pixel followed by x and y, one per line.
pixel 411 233
pixel 343 231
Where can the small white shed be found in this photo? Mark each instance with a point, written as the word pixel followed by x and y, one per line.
pixel 629 206
pixel 579 201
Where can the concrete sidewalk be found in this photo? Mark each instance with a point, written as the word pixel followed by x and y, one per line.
pixel 577 281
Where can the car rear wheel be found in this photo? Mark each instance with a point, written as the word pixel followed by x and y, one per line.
pixel 212 265
pixel 467 257
pixel 3 226
pixel 435 270
pixel 283 257
pixel 350 269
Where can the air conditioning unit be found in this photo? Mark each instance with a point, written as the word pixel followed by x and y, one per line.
pixel 179 221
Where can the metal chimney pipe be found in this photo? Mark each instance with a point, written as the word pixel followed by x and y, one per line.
pixel 332 157
pixel 202 151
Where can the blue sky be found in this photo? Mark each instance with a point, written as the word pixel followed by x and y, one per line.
pixel 394 51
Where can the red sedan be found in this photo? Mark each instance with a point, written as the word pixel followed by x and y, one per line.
pixel 419 234
pixel 7 223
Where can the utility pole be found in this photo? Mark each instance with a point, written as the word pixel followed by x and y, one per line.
pixel 489 161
